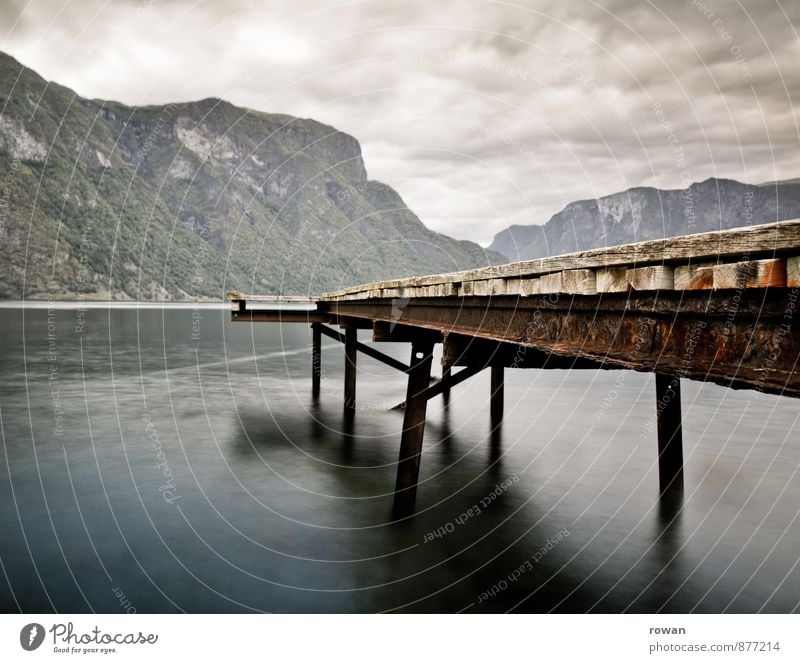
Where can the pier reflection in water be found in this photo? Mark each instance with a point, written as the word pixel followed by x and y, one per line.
pixel 282 502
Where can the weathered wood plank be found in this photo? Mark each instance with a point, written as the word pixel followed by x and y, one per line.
pixel 674 332
pixel 611 279
pixel 580 282
pixel 514 286
pixel 755 241
pixel 279 316
pixel 751 274
pixel 530 287
pixel 498 286
pixel 488 287
pixel 442 290
pixel 793 272
pixel 653 277
pixel 695 277
pixel 551 283
pixel 236 296
pixel 481 288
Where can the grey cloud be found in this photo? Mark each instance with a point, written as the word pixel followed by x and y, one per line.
pixel 481 114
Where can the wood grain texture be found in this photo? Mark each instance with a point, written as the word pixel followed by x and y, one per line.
pixel 694 276
pixel 611 279
pixel 514 287
pixel 751 274
pixel 653 277
pixel 489 287
pixel 579 282
pixel 529 287
pixel 551 283
pixel 521 287
pixel 793 272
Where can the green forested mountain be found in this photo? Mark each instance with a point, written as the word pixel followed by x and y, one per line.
pixel 188 200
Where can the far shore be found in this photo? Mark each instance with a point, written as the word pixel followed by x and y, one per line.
pixel 106 304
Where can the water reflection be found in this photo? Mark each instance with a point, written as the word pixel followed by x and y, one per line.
pixel 285 499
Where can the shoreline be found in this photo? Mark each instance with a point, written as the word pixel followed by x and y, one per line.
pixel 100 304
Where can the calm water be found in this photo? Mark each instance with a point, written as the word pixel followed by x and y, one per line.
pixel 197 474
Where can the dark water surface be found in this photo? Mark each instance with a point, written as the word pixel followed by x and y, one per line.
pixel 197 474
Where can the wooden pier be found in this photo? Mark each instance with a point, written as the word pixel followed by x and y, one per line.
pixel 719 307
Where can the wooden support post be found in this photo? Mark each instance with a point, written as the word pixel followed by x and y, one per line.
pixel 496 398
pixel 447 373
pixel 350 354
pixel 413 427
pixel 316 359
pixel 366 349
pixel 670 437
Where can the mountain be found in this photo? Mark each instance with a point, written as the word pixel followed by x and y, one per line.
pixel 189 200
pixel 644 213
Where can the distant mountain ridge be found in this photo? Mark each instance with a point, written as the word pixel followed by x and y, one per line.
pixel 644 213
pixel 188 200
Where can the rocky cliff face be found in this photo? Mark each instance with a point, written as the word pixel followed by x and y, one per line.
pixel 646 213
pixel 189 200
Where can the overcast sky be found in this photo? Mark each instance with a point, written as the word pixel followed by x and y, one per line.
pixel 481 114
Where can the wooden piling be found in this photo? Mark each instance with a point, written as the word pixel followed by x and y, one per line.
pixel 670 436
pixel 447 372
pixel 350 355
pixel 676 317
pixel 316 359
pixel 496 398
pixel 413 427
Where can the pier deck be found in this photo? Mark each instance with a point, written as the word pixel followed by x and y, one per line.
pixel 719 307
